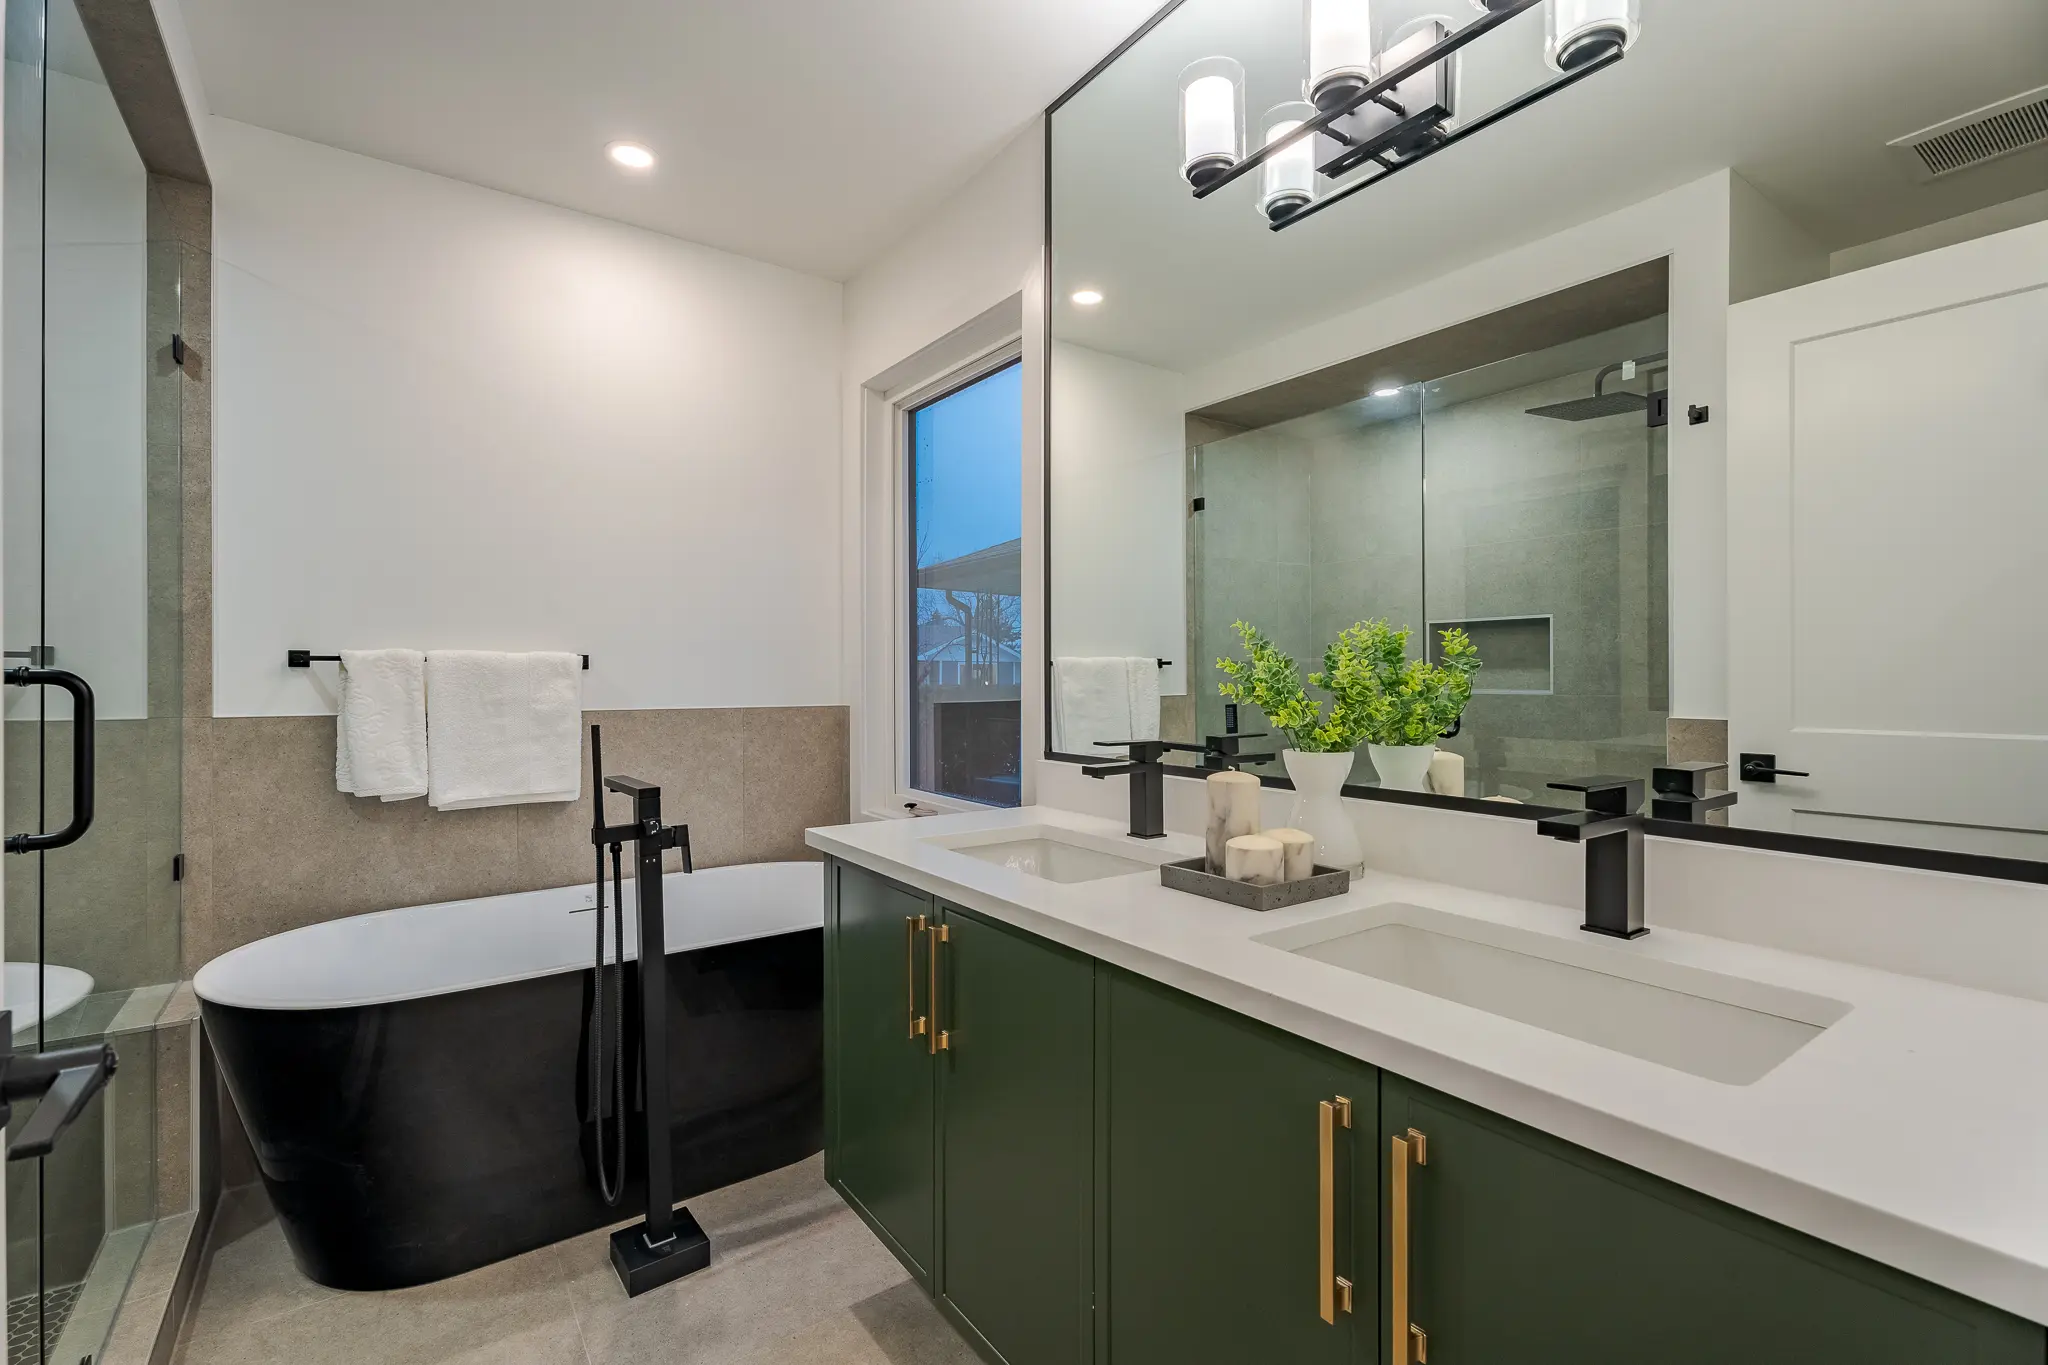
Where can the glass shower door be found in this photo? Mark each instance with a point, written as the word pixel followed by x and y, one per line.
pixel 90 490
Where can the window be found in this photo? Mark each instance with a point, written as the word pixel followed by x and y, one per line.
pixel 966 585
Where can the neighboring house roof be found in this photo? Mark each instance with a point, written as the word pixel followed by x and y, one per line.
pixel 940 641
pixel 997 569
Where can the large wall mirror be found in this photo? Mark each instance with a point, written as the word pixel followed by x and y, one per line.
pixel 1690 370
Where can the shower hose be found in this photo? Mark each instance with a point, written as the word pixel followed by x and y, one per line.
pixel 610 1186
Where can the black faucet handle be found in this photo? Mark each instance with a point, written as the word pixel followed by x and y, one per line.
pixel 1683 779
pixel 1606 795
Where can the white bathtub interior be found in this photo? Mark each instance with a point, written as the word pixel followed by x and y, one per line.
pixel 449 946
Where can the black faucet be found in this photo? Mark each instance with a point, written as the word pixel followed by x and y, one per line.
pixel 1148 781
pixel 1147 769
pixel 1221 753
pixel 1678 791
pixel 1613 835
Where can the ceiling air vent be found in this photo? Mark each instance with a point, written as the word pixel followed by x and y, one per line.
pixel 1996 130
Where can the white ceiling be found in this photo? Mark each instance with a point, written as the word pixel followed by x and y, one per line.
pixel 809 133
pixel 1799 96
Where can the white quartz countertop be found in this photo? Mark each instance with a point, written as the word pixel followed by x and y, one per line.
pixel 1913 1131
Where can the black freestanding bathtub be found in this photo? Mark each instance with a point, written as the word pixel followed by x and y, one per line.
pixel 416 1082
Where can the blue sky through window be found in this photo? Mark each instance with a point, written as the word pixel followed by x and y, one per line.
pixel 969 466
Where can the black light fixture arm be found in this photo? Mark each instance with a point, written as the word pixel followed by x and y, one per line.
pixel 1452 139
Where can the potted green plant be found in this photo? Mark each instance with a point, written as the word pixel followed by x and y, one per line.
pixel 1319 746
pixel 1398 706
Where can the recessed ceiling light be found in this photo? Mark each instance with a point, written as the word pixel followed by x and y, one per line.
pixel 1386 393
pixel 631 155
pixel 1087 298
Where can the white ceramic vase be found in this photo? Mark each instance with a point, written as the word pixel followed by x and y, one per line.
pixel 1402 767
pixel 1319 806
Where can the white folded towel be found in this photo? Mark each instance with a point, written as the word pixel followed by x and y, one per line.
pixel 1144 683
pixel 503 729
pixel 380 735
pixel 1091 702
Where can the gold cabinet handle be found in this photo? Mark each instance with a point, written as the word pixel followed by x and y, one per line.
pixel 1333 1291
pixel 1413 1148
pixel 913 926
pixel 937 1039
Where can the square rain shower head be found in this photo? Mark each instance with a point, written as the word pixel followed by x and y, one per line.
pixel 1595 405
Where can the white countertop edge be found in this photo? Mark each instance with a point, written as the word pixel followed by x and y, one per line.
pixel 2012 1283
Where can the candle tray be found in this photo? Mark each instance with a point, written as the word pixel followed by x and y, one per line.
pixel 1194 877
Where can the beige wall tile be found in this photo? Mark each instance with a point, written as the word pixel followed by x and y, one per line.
pixel 795 774
pixel 271 846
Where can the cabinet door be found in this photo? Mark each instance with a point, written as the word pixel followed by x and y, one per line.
pixel 1215 1191
pixel 1017 1094
pixel 879 1064
pixel 1527 1249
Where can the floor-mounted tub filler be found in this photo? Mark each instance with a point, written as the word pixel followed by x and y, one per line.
pixel 416 1081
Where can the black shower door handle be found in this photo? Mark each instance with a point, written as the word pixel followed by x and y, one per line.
pixel 81 758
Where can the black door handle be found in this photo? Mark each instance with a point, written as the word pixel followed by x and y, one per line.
pixel 81 758
pixel 1764 768
pixel 65 1082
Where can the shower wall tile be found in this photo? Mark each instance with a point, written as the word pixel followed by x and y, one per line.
pixel 275 846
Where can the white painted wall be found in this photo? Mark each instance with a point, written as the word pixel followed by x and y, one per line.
pixel 2030 208
pixel 1690 225
pixel 446 417
pixel 962 282
pixel 1119 511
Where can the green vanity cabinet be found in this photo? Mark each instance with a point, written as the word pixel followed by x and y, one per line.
pixel 1016 1139
pixel 1230 1211
pixel 959 1108
pixel 1516 1246
pixel 880 1099
pixel 1085 1167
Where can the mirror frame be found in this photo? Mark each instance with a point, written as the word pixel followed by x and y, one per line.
pixel 1774 841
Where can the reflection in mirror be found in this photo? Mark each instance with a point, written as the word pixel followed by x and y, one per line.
pixel 1547 390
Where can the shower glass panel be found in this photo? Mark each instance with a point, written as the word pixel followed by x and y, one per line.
pixel 1522 501
pixel 90 469
pixel 1306 526
pixel 1545 531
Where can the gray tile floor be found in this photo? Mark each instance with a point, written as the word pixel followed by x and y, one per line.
pixel 794 1277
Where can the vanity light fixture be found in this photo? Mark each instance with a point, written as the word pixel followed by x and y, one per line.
pixel 1377 111
pixel 1211 120
pixel 630 155
pixel 1087 298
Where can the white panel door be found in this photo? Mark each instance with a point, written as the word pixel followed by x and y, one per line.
pixel 1888 550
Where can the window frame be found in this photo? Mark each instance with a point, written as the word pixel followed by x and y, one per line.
pixel 903 404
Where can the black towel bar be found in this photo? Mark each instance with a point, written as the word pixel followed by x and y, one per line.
pixel 306 658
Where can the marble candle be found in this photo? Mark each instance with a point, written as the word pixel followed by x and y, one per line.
pixel 1298 853
pixel 1254 858
pixel 1233 810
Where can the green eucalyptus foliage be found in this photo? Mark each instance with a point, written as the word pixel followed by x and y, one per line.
pixel 1271 681
pixel 1378 695
pixel 1389 698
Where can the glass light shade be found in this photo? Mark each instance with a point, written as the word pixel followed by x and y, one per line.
pixel 1288 180
pixel 1340 50
pixel 1578 31
pixel 1211 119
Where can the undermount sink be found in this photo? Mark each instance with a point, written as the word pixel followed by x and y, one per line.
pixel 1056 855
pixel 1719 1027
